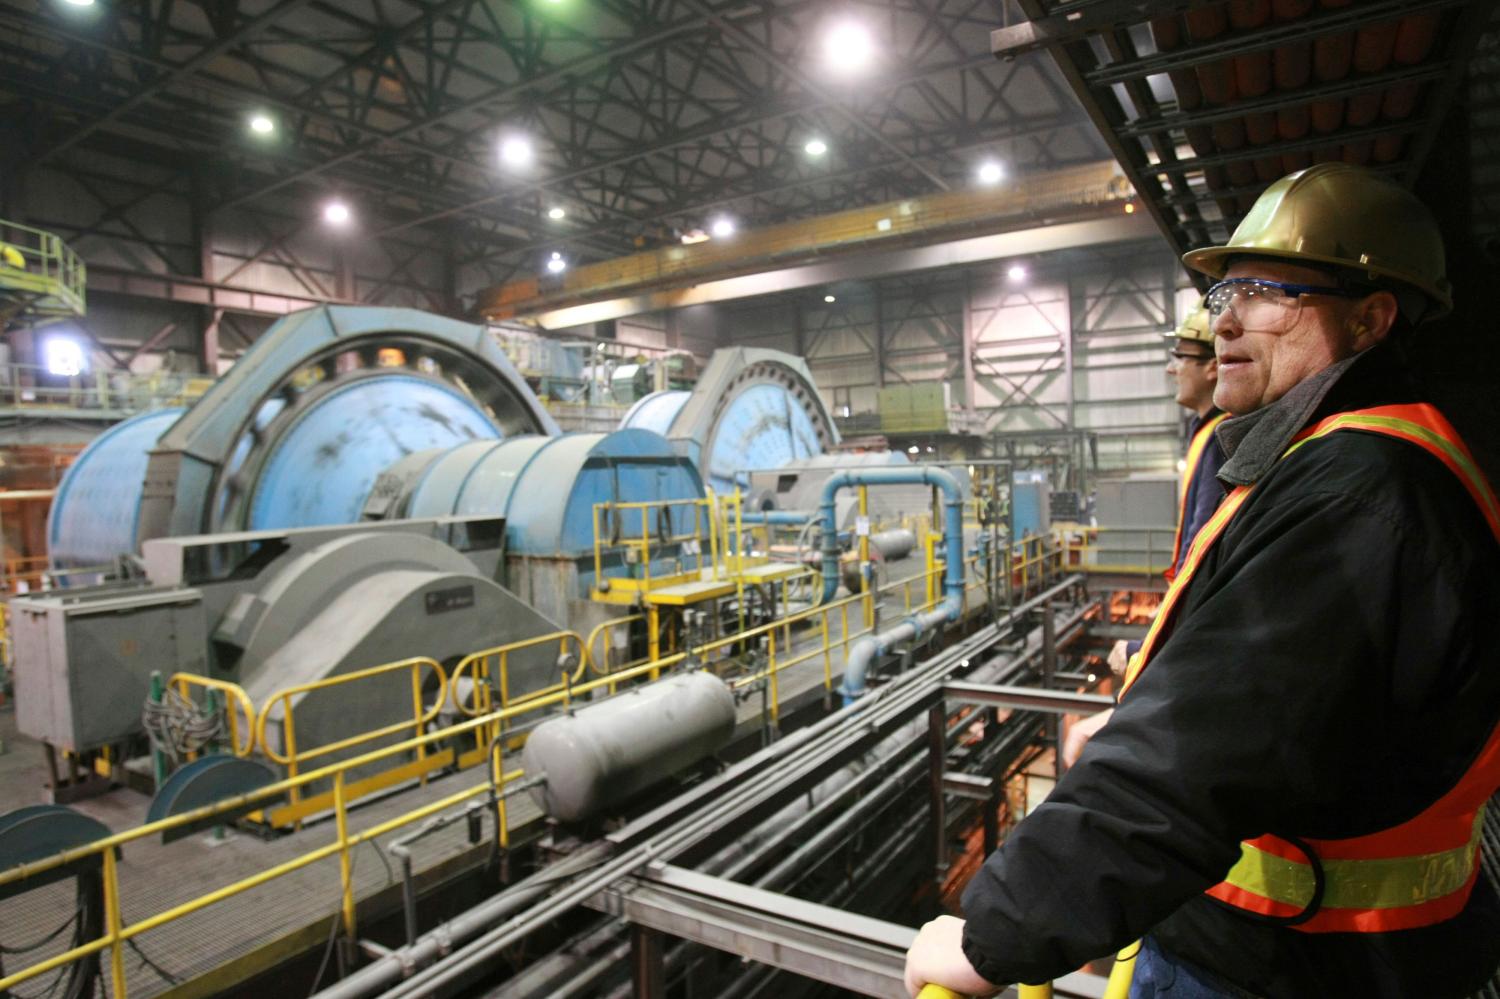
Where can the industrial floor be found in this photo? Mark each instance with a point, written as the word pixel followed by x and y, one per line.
pixel 255 930
pixel 246 933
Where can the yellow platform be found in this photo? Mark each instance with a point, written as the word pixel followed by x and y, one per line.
pixel 769 572
pixel 684 594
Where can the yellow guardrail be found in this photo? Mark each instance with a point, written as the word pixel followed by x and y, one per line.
pixel 292 758
pixel 43 268
pixel 615 529
pixel 423 745
pixel 117 932
pixel 236 702
pixel 1082 547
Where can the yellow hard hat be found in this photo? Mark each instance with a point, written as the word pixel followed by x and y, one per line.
pixel 1346 216
pixel 1194 326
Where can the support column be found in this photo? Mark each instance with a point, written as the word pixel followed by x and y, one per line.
pixel 967 345
pixel 1049 673
pixel 209 354
pixel 879 337
pixel 648 971
pixel 937 751
pixel 1068 337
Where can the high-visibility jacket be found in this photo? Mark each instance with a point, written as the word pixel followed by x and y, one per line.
pixel 1199 466
pixel 1411 875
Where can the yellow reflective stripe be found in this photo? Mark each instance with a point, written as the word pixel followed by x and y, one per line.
pixel 1194 454
pixel 1387 883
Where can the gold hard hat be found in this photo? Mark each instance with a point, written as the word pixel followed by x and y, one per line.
pixel 1347 216
pixel 1194 326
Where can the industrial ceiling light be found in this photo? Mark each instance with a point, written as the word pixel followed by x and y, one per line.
pixel 991 172
pixel 829 299
pixel 516 152
pixel 336 213
pixel 261 124
pixel 1130 208
pixel 64 356
pixel 848 48
pixel 80 3
pixel 723 228
pixel 1016 272
pixel 557 264
pixel 815 147
pixel 913 449
pixel 556 214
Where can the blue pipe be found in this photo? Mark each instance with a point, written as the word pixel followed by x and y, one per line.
pixel 865 650
pixel 788 517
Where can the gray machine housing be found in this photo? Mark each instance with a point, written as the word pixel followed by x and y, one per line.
pixel 270 610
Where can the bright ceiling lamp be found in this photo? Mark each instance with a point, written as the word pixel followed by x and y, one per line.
pixel 848 48
pixel 336 213
pixel 815 147
pixel 516 152
pixel 991 172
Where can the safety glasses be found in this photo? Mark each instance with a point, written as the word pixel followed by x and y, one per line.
pixel 1261 305
pixel 1183 355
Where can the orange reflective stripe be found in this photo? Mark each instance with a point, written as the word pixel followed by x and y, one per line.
pixel 1195 451
pixel 1207 535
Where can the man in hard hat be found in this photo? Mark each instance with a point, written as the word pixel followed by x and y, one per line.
pixel 1195 371
pixel 1288 800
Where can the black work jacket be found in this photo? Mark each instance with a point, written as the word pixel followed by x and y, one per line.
pixel 1334 669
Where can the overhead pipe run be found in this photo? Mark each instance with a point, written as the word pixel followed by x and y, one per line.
pixel 864 650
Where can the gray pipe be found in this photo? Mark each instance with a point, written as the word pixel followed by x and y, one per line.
pixel 865 650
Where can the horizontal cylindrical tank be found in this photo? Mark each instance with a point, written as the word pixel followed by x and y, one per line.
pixel 544 487
pixel 98 502
pixel 323 463
pixel 598 757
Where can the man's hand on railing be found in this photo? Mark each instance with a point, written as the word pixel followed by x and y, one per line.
pixel 1118 659
pixel 936 957
pixel 1079 734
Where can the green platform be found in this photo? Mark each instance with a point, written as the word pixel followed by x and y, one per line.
pixel 40 277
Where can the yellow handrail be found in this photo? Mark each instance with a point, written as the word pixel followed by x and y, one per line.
pixel 294 756
pixel 235 698
pixel 501 653
pixel 117 933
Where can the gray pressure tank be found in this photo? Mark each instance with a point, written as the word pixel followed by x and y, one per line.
pixel 599 756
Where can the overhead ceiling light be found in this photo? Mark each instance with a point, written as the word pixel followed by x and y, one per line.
pixel 913 449
pixel 816 147
pixel 516 152
pixel 336 213
pixel 261 124
pixel 883 225
pixel 1130 208
pixel 557 264
pixel 848 48
pixel 556 214
pixel 1016 272
pixel 991 172
pixel 80 3
pixel 694 236
pixel 829 299
pixel 723 228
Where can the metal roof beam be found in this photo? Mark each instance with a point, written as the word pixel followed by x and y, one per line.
pixel 248 30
